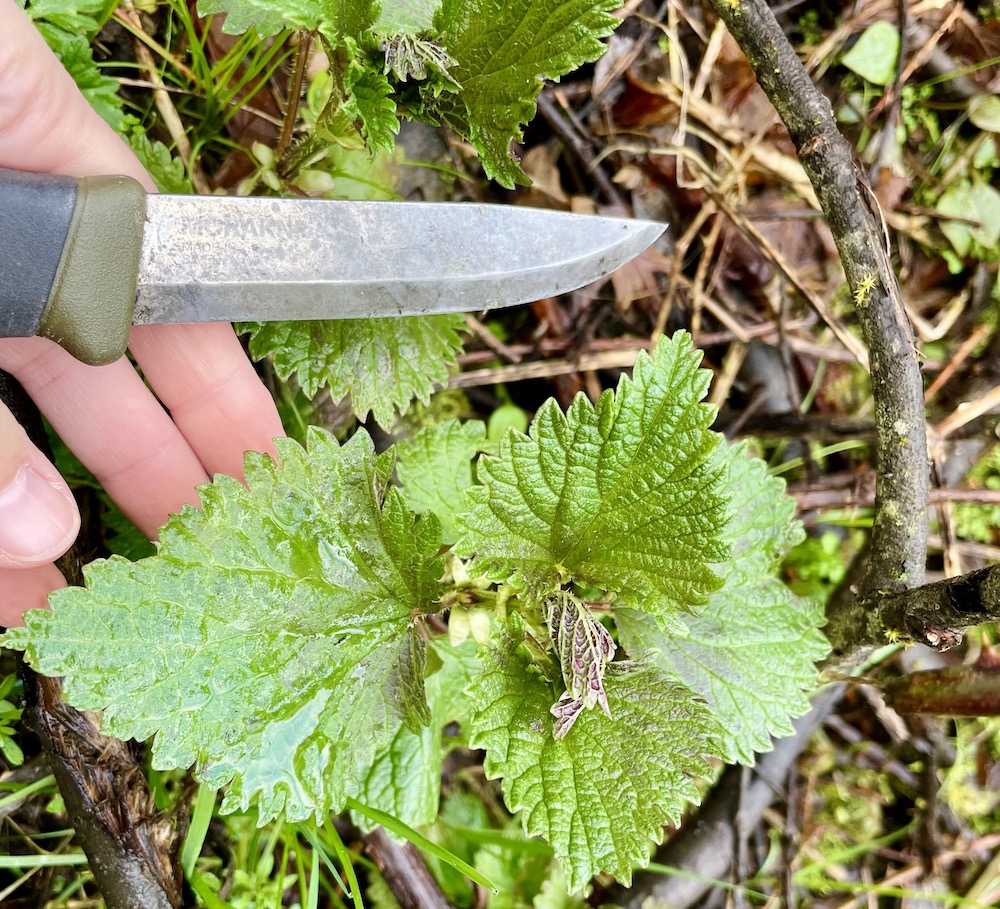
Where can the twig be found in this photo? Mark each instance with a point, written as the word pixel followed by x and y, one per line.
pixel 578 147
pixel 294 94
pixel 966 413
pixel 851 343
pixel 621 65
pixel 545 369
pixel 491 340
pixel 935 615
pixel 956 362
pixel 405 872
pixel 187 92
pixel 899 534
pixel 863 497
pixel 131 24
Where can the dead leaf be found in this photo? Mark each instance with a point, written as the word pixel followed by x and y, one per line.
pixel 639 279
pixel 539 163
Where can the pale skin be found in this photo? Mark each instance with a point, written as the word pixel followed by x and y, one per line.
pixel 148 455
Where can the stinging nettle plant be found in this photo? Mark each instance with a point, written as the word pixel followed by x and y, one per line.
pixel 595 604
pixel 284 641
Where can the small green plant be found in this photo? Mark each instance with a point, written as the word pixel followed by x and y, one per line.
pixel 9 716
pixel 282 640
pixel 980 522
pixel 818 564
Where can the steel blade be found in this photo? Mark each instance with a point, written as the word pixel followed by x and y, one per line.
pixel 211 258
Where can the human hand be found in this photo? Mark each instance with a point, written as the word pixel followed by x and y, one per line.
pixel 149 459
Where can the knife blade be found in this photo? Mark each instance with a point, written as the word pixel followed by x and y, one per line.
pixel 83 260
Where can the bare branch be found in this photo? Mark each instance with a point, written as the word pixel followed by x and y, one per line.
pixel 899 535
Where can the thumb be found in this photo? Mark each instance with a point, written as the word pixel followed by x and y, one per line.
pixel 38 517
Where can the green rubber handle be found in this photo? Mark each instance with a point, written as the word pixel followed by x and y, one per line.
pixel 69 260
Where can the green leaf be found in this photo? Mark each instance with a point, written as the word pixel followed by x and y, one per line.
pixel 408 17
pixel 73 50
pixel 269 642
pixel 75 17
pixel 750 651
pixel 337 18
pixel 984 112
pixel 373 110
pixel 875 53
pixel 602 794
pixel 434 467
pixel 501 67
pixel 971 201
pixel 405 778
pixel 358 111
pixel 383 364
pixel 626 496
pixel 168 172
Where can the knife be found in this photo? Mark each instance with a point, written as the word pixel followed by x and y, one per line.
pixel 82 260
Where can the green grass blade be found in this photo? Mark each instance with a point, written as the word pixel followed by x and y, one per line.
pixel 15 862
pixel 312 899
pixel 353 890
pixel 657 868
pixel 394 825
pixel 19 795
pixel 201 817
pixel 481 837
pixel 319 848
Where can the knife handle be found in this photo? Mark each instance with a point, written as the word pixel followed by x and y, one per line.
pixel 69 260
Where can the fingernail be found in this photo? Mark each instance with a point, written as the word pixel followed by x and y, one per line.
pixel 38 520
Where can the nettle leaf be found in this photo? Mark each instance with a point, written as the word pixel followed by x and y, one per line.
pixel 373 110
pixel 405 778
pixel 584 648
pixel 602 794
pixel 383 364
pixel 67 28
pixel 501 68
pixel 751 649
pixel 76 17
pixel 358 111
pixel 100 91
pixel 411 57
pixel 434 467
pixel 627 496
pixel 336 18
pixel 407 16
pixel 271 641
pixel 168 172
